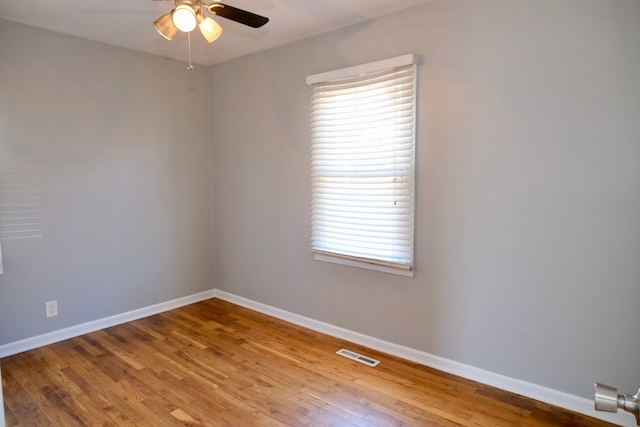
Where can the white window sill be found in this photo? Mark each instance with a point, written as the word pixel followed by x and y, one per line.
pixel 362 264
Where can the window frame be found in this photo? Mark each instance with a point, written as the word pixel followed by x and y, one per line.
pixel 388 266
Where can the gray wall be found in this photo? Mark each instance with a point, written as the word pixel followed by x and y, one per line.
pixel 528 192
pixel 120 141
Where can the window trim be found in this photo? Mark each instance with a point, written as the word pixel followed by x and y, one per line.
pixel 372 67
pixel 343 73
pixel 364 263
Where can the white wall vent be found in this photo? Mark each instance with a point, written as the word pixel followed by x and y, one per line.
pixel 358 357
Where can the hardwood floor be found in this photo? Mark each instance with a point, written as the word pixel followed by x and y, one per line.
pixel 217 364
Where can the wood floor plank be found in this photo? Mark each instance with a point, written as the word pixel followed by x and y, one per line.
pixel 218 364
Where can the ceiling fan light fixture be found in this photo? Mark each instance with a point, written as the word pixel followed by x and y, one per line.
pixel 209 28
pixel 184 17
pixel 188 14
pixel 164 25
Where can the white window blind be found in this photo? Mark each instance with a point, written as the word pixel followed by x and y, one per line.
pixel 363 163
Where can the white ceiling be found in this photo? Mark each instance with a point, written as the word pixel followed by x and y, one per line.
pixel 129 23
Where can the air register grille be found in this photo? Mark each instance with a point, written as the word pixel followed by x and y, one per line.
pixel 358 357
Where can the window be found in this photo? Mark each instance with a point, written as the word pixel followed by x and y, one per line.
pixel 363 164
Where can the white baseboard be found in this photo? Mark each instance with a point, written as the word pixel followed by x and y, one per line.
pixel 523 388
pixel 84 328
pixel 2 424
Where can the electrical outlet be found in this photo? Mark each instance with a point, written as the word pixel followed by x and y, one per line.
pixel 51 308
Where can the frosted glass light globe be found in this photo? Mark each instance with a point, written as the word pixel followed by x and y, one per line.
pixel 184 18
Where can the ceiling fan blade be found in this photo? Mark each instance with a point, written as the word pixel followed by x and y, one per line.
pixel 238 15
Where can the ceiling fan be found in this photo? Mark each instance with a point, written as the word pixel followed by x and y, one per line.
pixel 189 13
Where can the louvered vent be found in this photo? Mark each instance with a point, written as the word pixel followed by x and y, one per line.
pixel 358 357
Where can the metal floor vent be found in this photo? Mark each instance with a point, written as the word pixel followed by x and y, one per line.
pixel 358 357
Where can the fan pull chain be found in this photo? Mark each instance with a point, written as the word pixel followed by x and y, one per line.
pixel 189 67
